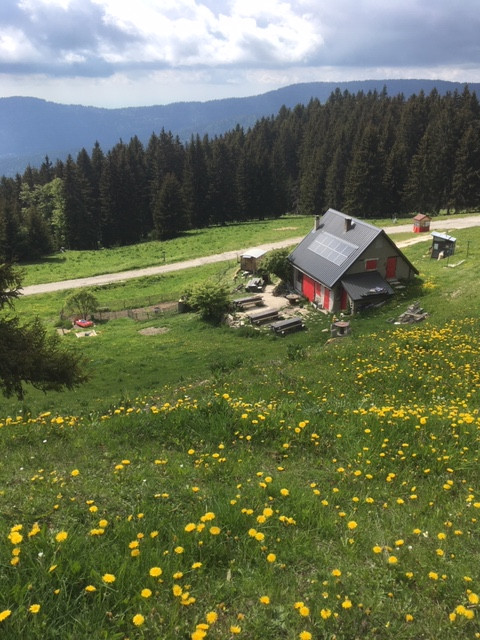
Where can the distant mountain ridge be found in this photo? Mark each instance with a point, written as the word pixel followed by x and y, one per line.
pixel 31 128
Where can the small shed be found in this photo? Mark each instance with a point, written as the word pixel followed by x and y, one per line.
pixel 443 245
pixel 250 260
pixel 421 223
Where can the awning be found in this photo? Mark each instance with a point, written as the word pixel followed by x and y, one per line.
pixel 368 284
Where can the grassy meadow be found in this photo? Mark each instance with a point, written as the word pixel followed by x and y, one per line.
pixel 219 483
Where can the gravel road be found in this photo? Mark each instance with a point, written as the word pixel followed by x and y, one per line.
pixel 441 225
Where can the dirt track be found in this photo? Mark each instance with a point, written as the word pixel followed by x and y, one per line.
pixel 441 225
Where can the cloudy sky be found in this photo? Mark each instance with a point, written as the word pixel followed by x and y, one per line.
pixel 115 53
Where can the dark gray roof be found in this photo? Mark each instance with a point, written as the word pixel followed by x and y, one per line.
pixel 327 253
pixel 366 285
pixel 309 256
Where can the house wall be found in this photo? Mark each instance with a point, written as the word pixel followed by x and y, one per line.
pixel 315 291
pixel 381 251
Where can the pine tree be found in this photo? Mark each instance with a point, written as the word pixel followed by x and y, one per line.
pixel 28 355
pixel 169 214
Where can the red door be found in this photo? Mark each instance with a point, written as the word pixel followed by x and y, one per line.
pixel 343 300
pixel 391 268
pixel 308 288
pixel 326 299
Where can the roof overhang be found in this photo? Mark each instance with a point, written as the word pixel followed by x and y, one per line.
pixel 443 236
pixel 366 285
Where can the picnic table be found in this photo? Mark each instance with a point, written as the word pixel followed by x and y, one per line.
pixel 263 316
pixel 255 284
pixel 240 303
pixel 282 327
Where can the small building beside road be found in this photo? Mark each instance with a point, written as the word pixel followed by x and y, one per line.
pixel 443 245
pixel 421 223
pixel 251 259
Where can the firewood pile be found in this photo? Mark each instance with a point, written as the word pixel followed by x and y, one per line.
pixel 414 313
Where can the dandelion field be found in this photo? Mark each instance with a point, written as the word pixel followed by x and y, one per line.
pixel 331 494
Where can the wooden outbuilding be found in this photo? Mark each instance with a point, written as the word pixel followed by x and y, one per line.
pixel 421 223
pixel 443 245
pixel 251 259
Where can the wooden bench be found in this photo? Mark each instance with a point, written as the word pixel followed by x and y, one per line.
pixel 255 284
pixel 241 303
pixel 263 316
pixel 282 327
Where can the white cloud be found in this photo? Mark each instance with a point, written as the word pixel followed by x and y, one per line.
pixel 189 33
pixel 15 47
pixel 146 51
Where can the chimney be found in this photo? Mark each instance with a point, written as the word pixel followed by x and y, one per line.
pixel 348 224
pixel 316 223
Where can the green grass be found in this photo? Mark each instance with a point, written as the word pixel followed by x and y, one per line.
pixel 355 463
pixel 193 244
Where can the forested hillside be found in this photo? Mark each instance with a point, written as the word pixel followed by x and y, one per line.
pixel 370 155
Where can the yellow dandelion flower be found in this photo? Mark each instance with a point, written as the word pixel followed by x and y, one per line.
pixel 90 588
pixel 211 617
pixel 336 573
pixel 146 593
pixel 284 492
pixel 15 537
pixel 347 604
pixel 215 531
pixel 155 572
pixel 208 516
pixel 408 617
pixel 304 611
pixel 191 526
pixel 352 525
pixel 325 614
pixel 235 629
pixel 377 549
pixel 61 536
pixel 138 620
pixel 271 557
pixel 34 608
pixel 5 614
pixel 264 599
pixel 305 635
pixel 179 550
pixel 108 578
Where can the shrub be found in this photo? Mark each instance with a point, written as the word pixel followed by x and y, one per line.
pixel 276 262
pixel 211 300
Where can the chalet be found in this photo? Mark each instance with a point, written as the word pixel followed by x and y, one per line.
pixel 346 264
pixel 421 223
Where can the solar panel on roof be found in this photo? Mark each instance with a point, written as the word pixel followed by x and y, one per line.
pixel 331 248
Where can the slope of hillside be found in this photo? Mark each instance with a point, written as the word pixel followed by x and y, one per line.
pixel 31 128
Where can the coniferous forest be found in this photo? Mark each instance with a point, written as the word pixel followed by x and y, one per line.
pixel 370 155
